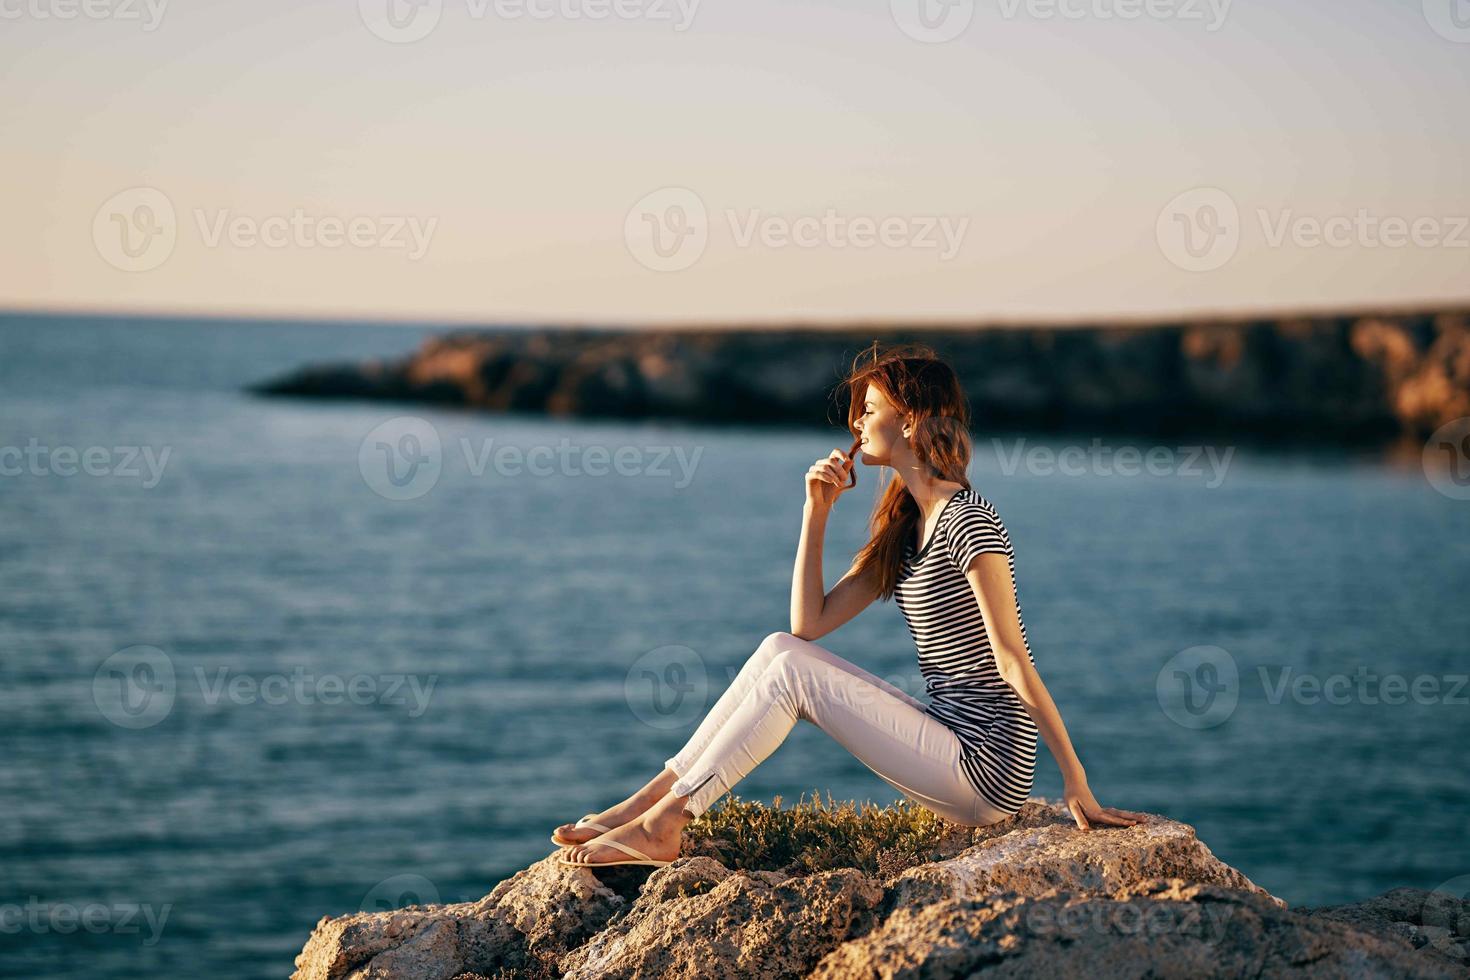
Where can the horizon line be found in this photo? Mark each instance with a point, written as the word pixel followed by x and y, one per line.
pixel 809 323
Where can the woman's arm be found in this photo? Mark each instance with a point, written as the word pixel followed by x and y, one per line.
pixel 989 575
pixel 813 614
pixel 806 581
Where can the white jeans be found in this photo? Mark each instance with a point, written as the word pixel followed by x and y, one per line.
pixel 789 679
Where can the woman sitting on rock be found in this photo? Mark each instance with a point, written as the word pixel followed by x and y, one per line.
pixel 940 548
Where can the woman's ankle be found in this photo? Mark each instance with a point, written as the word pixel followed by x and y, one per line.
pixel 668 815
pixel 646 797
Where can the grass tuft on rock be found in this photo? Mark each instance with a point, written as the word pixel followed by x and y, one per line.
pixel 814 836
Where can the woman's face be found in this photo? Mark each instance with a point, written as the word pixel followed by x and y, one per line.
pixel 880 427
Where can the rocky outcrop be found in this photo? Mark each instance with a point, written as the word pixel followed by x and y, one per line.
pixel 1030 897
pixel 1356 377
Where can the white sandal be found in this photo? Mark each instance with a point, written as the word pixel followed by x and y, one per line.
pixel 584 822
pixel 642 858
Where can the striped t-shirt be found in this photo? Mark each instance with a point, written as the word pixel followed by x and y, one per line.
pixel 965 689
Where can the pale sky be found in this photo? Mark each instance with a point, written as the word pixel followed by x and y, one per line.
pixel 1028 167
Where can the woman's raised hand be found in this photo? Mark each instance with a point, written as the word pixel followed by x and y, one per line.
pixel 827 478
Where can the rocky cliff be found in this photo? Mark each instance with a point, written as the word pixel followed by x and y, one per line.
pixel 1030 897
pixel 1365 377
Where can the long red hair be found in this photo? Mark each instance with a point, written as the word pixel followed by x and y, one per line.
pixel 926 391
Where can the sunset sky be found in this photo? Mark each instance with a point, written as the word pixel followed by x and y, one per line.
pixel 675 160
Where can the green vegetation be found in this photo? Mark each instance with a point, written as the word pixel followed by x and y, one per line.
pixel 815 836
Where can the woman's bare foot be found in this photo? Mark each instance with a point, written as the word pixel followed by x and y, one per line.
pixel 657 833
pixel 615 816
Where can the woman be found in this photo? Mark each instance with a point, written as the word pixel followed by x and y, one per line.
pixel 939 547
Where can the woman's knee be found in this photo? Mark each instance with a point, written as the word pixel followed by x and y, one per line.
pixel 760 658
pixel 780 640
pixel 776 644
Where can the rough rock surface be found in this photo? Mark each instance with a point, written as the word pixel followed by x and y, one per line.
pixel 1030 897
pixel 1361 376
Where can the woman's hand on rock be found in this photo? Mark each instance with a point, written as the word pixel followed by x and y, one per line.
pixel 1087 811
pixel 827 478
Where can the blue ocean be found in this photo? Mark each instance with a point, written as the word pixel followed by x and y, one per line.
pixel 263 660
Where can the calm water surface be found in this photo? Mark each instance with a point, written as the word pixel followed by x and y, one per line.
pixel 220 783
